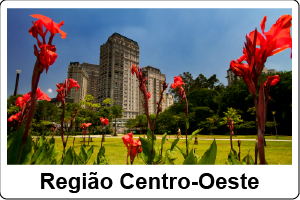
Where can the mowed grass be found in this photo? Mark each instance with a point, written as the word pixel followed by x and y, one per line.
pixel 277 152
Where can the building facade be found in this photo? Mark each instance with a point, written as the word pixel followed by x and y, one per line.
pixel 169 100
pixel 93 80
pixel 154 87
pixel 115 78
pixel 231 77
pixel 78 73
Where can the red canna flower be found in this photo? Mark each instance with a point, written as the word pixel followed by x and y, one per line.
pixel 73 83
pixel 133 146
pixel 277 39
pixel 272 80
pixel 46 55
pixel 104 121
pixel 21 101
pixel 134 69
pixel 48 23
pixel 63 89
pixel 14 117
pixel 84 126
pixel 41 95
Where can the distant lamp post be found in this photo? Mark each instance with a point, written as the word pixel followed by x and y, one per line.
pixel 17 82
pixel 273 112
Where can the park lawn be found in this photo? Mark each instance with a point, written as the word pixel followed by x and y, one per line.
pixel 277 152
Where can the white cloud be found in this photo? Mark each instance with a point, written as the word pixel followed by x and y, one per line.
pixel 50 90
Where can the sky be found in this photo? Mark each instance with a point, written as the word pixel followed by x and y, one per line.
pixel 199 41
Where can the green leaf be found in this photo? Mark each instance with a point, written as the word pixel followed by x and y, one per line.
pixel 146 153
pixel 83 154
pixel 210 155
pixel 47 157
pixel 169 158
pixel 90 152
pixel 190 159
pixel 42 141
pixel 36 154
pixel 191 136
pixel 232 160
pixel 15 146
pixel 68 159
pixel 174 143
pixel 10 138
pixel 54 162
pixel 251 162
pixel 163 140
pixel 157 156
pixel 41 154
pixel 100 157
pixel 181 151
pixel 149 135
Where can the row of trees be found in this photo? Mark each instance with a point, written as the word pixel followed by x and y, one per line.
pixel 46 113
pixel 210 103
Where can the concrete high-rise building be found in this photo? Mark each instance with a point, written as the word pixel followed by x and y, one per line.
pixel 154 87
pixel 93 81
pixel 169 100
pixel 231 76
pixel 115 79
pixel 78 73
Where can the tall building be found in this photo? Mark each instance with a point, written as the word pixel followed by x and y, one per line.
pixel 115 79
pixel 78 73
pixel 169 100
pixel 154 87
pixel 92 85
pixel 231 76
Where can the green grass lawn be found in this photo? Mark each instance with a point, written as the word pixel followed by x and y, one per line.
pixel 277 153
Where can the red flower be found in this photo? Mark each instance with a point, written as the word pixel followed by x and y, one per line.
pixel 272 80
pixel 21 101
pixel 277 39
pixel 63 89
pixel 177 82
pixel 104 121
pixel 133 146
pixel 47 56
pixel 134 69
pixel 73 83
pixel 149 95
pixel 51 26
pixel 41 95
pixel 14 117
pixel 84 126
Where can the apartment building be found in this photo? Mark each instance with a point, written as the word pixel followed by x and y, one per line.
pixel 115 78
pixel 78 73
pixel 93 80
pixel 154 86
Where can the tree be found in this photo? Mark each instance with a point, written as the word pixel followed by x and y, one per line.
pixel 141 120
pixel 233 114
pixel 88 101
pixel 210 123
pixel 116 112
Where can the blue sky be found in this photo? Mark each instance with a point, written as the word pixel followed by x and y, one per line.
pixel 173 40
